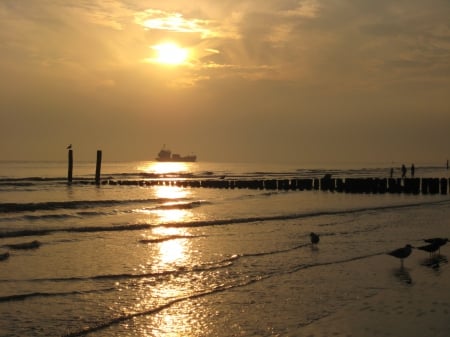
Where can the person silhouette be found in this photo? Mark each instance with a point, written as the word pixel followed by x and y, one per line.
pixel 403 171
pixel 412 171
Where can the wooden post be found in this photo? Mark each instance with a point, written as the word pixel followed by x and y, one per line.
pixel 443 186
pixel 98 167
pixel 70 167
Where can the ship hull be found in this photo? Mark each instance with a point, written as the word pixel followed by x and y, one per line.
pixel 178 160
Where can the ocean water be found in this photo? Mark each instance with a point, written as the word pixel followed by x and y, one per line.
pixel 138 258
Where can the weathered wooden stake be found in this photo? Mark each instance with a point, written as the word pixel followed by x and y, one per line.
pixel 443 186
pixel 70 167
pixel 98 167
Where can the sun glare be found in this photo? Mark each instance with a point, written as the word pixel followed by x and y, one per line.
pixel 170 53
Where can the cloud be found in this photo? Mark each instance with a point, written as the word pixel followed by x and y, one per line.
pixel 299 38
pixel 173 22
pixel 258 69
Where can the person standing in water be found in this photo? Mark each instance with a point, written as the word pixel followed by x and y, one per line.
pixel 403 171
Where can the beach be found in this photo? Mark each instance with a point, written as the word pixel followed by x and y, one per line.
pixel 165 260
pixel 419 308
pixel 224 168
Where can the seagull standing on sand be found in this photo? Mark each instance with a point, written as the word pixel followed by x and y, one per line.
pixel 430 248
pixel 437 241
pixel 314 238
pixel 401 253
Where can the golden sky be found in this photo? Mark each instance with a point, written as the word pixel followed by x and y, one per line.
pixel 312 81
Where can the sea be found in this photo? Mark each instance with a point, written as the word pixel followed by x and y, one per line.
pixel 139 255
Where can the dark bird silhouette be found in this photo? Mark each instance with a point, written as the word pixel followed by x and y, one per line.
pixel 437 241
pixel 69 147
pixel 401 253
pixel 430 248
pixel 314 238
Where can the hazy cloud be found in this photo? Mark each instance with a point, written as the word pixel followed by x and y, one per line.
pixel 351 78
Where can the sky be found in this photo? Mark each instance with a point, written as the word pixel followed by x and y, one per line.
pixel 282 81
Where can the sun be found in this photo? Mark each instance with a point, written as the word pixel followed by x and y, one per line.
pixel 170 53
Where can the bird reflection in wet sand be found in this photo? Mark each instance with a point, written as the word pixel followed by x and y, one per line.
pixel 435 261
pixel 401 253
pixel 403 275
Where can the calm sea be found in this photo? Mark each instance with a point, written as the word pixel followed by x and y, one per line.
pixel 132 257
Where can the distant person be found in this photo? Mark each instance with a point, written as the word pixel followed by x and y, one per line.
pixel 403 171
pixel 412 171
pixel 392 172
pixel 447 164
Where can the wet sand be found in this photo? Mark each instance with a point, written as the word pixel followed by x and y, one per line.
pixel 415 302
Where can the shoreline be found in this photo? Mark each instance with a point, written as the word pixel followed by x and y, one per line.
pixel 416 304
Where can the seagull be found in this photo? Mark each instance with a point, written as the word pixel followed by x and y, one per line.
pixel 314 238
pixel 401 253
pixel 437 241
pixel 69 147
pixel 430 248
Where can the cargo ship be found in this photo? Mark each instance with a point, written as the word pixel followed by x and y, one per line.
pixel 166 155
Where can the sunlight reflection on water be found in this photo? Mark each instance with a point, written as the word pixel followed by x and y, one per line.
pixel 174 253
pixel 167 167
pixel 171 212
pixel 176 208
pixel 171 192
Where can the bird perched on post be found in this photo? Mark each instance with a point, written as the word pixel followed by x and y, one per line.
pixel 314 238
pixel 69 147
pixel 401 253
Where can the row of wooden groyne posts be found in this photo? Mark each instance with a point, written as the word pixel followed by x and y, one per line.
pixel 343 185
pixel 326 183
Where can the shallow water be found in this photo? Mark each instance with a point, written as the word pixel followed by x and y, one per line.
pixel 161 260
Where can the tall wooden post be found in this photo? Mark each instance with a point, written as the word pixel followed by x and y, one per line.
pixel 98 167
pixel 70 167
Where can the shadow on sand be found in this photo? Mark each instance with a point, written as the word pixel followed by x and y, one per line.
pixel 435 262
pixel 314 248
